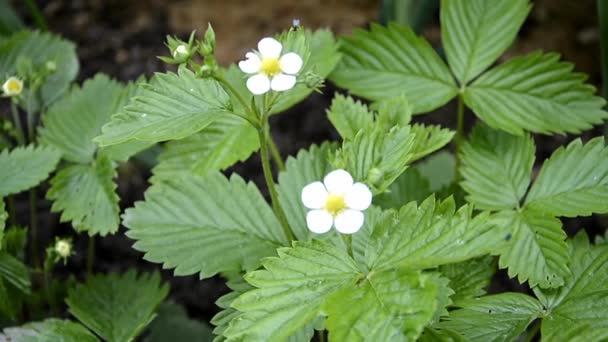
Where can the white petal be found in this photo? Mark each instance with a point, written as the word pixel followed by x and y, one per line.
pixel 338 182
pixel 319 221
pixel 290 63
pixel 270 47
pixel 252 64
pixel 349 221
pixel 314 195
pixel 358 197
pixel 282 82
pixel 258 84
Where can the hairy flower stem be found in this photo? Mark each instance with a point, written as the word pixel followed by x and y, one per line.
pixel 263 135
pixel 250 115
pixel 459 136
pixel 17 123
pixel 276 155
pixel 33 195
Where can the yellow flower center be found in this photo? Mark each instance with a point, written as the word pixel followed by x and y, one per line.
pixel 270 66
pixel 335 204
pixel 13 86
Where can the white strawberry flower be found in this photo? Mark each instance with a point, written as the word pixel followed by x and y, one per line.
pixel 337 201
pixel 63 248
pixel 270 69
pixel 12 87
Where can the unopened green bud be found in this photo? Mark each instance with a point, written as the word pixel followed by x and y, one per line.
pixel 375 176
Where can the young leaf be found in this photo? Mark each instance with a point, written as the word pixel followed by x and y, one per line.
pixel 386 306
pixel 117 307
pixel 349 116
pixel 389 61
pixel 429 139
pixel 225 141
pixel 172 324
pixel 494 318
pixel 25 167
pixel 51 329
pixel 476 32
pixel 171 106
pixel 40 48
pixel 290 291
pixel 535 93
pixel 204 224
pixel 393 111
pixel 13 271
pixel 471 278
pixel 72 122
pixel 85 195
pixel 496 168
pixel 536 251
pixel 573 181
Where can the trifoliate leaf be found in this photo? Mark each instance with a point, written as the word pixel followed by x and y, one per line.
pixel 86 196
pixel 476 32
pixel 470 278
pixel 535 93
pixel 429 139
pixel 291 291
pixel 71 123
pixel 536 250
pixel 13 271
pixel 25 167
pixel 409 186
pixel 171 106
pixel 496 168
pixel 386 306
pixel 225 141
pixel 349 116
pixel 438 169
pixel 307 167
pixel 172 324
pixel 40 48
pixel 389 61
pixel 204 224
pixel 494 318
pixel 117 307
pixel 573 181
pixel 430 235
pixel 51 329
pixel 583 300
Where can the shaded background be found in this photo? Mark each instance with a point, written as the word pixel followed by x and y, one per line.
pixel 122 38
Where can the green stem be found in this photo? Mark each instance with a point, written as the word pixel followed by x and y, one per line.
pixel 276 155
pixel 37 15
pixel 90 255
pixel 250 117
pixel 533 332
pixel 17 123
pixel 262 134
pixel 34 226
pixel 459 136
pixel 321 334
pixel 31 137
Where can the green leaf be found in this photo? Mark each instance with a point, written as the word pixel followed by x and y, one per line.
pixel 409 186
pixel 117 307
pixel 387 306
pixel 573 181
pixel 496 168
pixel 9 20
pixel 501 317
pixel 172 324
pixel 393 111
pixel 171 106
pixel 536 251
pixel 290 291
pixel 11 301
pixel 577 333
pixel 476 32
pixel 389 61
pixel 39 48
pixel 349 116
pixel 72 122
pixel 471 278
pixel 51 329
pixel 438 169
pixel 25 167
pixel 430 235
pixel 535 93
pixel 441 335
pixel 429 139
pixel 3 217
pixel 15 272
pixel 225 141
pixel 86 196
pixel 204 224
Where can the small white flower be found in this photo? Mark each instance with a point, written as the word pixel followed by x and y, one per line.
pixel 180 51
pixel 63 248
pixel 12 87
pixel 336 202
pixel 272 71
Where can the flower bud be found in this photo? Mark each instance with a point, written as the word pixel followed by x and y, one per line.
pixel 181 52
pixel 63 248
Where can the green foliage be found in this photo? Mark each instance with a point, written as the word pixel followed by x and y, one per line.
pixel 14 285
pixel 389 61
pixel 9 20
pixel 429 139
pixel 3 217
pixel 438 169
pixel 85 195
pixel 496 168
pixel 573 181
pixel 40 48
pixel 204 224
pixel 411 185
pixel 470 278
pixel 494 318
pixel 536 93
pixel 171 106
pixel 172 324
pixel 476 32
pixel 349 116
pixel 25 167
pixel 51 329
pixel 117 307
